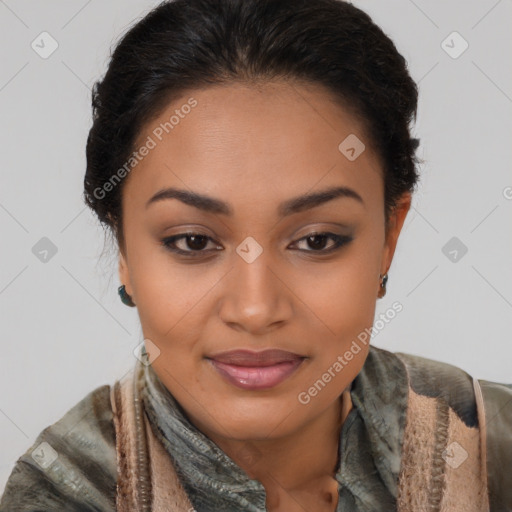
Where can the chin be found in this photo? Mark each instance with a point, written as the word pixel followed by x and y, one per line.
pixel 258 423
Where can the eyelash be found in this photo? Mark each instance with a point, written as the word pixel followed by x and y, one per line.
pixel 340 241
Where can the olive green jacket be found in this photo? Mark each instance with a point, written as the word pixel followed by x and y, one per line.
pixel 422 435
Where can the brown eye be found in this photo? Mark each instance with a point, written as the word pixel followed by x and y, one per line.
pixel 318 241
pixel 194 243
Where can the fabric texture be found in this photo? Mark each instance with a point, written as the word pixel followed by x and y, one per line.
pixel 146 483
pixel 443 459
pixel 84 475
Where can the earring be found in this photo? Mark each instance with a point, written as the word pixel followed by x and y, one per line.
pixel 384 280
pixel 125 298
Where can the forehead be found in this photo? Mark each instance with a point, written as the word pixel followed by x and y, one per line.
pixel 234 141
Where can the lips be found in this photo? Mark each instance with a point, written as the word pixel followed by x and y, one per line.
pixel 256 370
pixel 248 358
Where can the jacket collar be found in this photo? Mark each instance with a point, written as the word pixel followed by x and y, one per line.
pixel 372 435
pixel 370 444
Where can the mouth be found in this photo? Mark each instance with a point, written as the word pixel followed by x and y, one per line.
pixel 256 370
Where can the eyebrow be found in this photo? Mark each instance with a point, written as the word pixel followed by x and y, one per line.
pixel 295 205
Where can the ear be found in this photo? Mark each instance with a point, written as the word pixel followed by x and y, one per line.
pixel 396 221
pixel 124 274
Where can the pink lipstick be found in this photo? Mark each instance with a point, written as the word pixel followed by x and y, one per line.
pixel 256 370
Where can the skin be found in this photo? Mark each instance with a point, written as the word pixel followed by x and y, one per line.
pixel 254 147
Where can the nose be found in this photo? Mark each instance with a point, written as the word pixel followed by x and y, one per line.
pixel 256 297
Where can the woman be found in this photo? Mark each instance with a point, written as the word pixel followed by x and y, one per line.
pixel 254 162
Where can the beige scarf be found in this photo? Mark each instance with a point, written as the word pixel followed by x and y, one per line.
pixel 443 465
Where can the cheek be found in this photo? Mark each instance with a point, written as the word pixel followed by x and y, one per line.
pixel 168 294
pixel 342 296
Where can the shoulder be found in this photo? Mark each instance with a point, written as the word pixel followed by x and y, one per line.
pixel 498 413
pixel 435 378
pixel 71 465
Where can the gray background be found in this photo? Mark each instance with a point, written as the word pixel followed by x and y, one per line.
pixel 64 330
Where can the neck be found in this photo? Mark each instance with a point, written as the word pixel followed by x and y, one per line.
pixel 298 462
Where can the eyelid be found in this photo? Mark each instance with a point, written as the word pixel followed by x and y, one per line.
pixel 183 236
pixel 339 242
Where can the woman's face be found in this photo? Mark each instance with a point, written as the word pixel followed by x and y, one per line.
pixel 255 276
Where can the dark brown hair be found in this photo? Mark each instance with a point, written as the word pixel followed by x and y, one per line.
pixel 186 44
